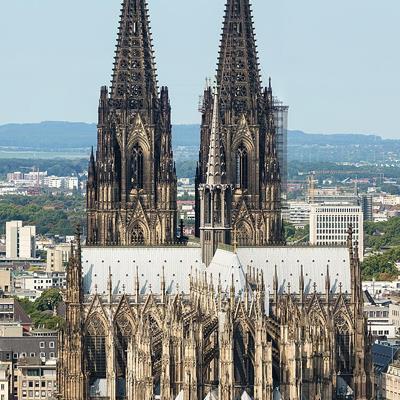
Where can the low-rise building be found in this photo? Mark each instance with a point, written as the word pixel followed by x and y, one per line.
pixel 57 258
pixel 41 280
pixel 42 344
pixel 379 322
pixel 5 281
pixel 35 379
pixel 12 312
pixel 297 213
pixel 391 382
pixel 5 382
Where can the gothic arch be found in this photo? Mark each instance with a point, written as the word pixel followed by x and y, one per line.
pixel 138 233
pixel 95 347
pixel 244 353
pixel 124 329
pixel 344 343
pixel 244 233
pixel 243 136
pixel 242 166
pixel 137 167
pixel 138 135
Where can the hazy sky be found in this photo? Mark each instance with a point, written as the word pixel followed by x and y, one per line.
pixel 335 63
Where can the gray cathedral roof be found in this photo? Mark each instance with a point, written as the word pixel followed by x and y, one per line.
pixel 177 263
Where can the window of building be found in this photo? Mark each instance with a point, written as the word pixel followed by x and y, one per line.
pixel 41 345
pixel 241 167
pixel 51 345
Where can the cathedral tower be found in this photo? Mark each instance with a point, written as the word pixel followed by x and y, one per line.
pixel 247 128
pixel 131 190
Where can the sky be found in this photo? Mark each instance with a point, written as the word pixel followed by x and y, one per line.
pixel 335 63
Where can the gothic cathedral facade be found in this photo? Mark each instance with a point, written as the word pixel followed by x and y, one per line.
pixel 201 322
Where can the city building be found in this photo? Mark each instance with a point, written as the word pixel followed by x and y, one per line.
pixel 239 314
pixel 297 213
pixel 20 240
pixel 391 382
pixel 381 289
pixel 379 321
pixel 57 257
pixel 383 355
pixel 329 225
pixel 11 311
pixel 41 343
pixel 35 379
pixel 40 281
pixel 186 211
pixel 5 280
pixel 5 382
pixel 367 207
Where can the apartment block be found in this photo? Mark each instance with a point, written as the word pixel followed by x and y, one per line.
pixel 20 240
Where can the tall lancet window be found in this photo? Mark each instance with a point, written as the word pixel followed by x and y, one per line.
pixel 137 167
pixel 241 167
pixel 95 350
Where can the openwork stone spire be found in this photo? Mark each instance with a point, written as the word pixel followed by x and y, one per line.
pixel 134 77
pixel 216 165
pixel 238 71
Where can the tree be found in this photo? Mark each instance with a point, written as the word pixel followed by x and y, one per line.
pixel 381 266
pixel 41 310
pixel 49 299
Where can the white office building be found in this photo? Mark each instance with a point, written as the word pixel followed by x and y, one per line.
pixel 20 240
pixel 329 225
pixel 297 213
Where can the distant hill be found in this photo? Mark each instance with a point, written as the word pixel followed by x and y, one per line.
pixel 48 135
pixel 51 135
pixel 76 135
pixel 301 138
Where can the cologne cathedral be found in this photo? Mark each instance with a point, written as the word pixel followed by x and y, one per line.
pixel 235 315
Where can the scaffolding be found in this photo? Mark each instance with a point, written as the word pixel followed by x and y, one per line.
pixel 281 124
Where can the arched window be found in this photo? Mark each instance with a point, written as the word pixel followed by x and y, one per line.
pixel 95 349
pixel 243 234
pixel 137 235
pixel 137 167
pixel 241 167
pixel 343 345
pixel 217 207
pixel 124 332
pixel 207 208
